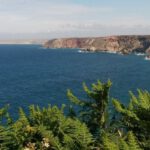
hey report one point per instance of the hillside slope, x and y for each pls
(120, 44)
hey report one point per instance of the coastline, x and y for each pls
(111, 44)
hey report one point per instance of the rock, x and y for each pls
(115, 44)
(148, 50)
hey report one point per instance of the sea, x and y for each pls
(31, 74)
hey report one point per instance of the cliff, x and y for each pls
(120, 44)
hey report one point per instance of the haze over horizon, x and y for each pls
(45, 19)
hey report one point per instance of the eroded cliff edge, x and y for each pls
(119, 44)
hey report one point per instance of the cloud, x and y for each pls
(37, 16)
(62, 18)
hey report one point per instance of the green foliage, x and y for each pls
(117, 143)
(94, 110)
(132, 142)
(91, 128)
(136, 116)
(4, 131)
(47, 128)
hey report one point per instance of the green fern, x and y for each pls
(135, 116)
(94, 109)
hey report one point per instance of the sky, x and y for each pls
(46, 19)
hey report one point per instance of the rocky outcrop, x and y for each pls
(119, 44)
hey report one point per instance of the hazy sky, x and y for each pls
(63, 18)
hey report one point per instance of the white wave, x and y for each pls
(111, 52)
(84, 51)
(140, 54)
(147, 58)
(81, 51)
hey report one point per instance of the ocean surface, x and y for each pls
(30, 74)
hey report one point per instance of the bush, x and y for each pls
(91, 128)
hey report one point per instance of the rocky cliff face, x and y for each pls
(120, 44)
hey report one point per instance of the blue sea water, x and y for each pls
(30, 74)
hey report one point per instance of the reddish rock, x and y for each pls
(121, 44)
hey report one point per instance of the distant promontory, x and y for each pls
(118, 44)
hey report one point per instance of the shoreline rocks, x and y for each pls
(115, 44)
